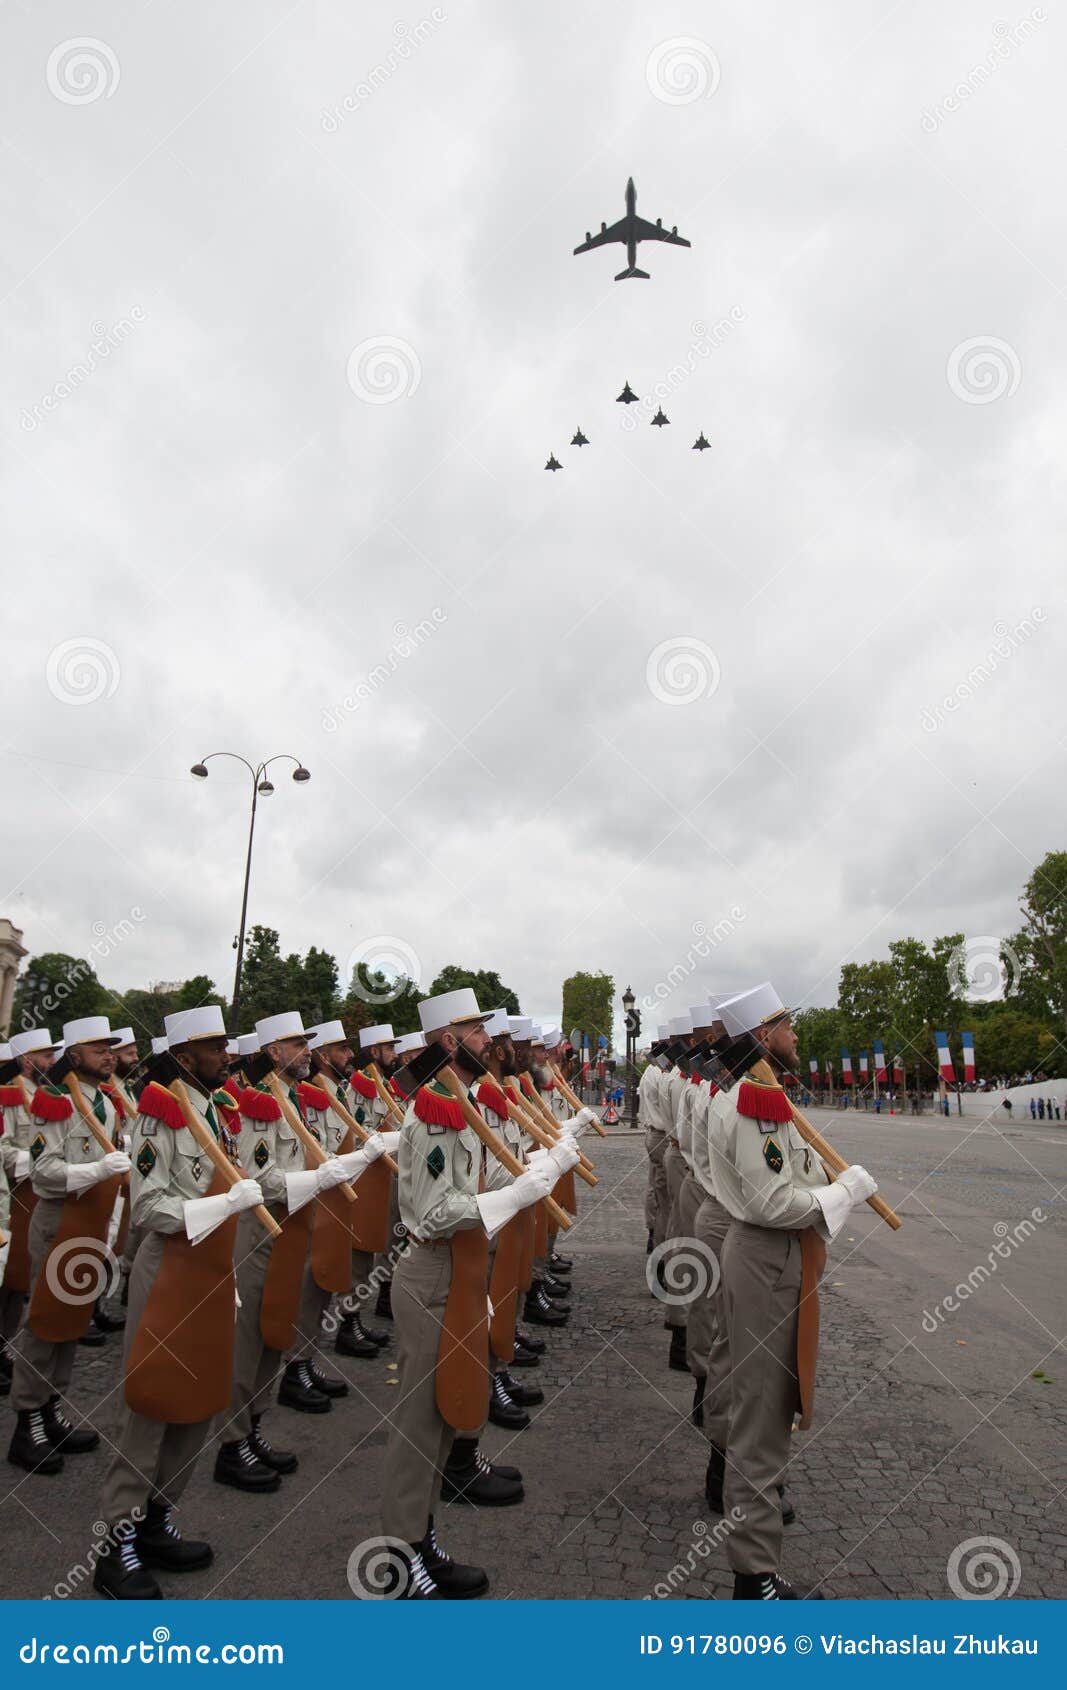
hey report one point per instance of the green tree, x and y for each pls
(820, 1034)
(488, 987)
(589, 1005)
(270, 983)
(865, 1000)
(54, 988)
(1040, 946)
(319, 992)
(373, 998)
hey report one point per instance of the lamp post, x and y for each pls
(633, 1027)
(260, 786)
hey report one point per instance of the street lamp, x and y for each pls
(633, 1027)
(261, 786)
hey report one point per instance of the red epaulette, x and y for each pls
(226, 1100)
(259, 1105)
(713, 1089)
(10, 1097)
(763, 1103)
(359, 1082)
(50, 1104)
(526, 1086)
(230, 1084)
(490, 1096)
(118, 1101)
(162, 1105)
(551, 1086)
(313, 1097)
(695, 1079)
(436, 1108)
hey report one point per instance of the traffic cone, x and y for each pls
(610, 1117)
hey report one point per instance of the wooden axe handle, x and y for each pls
(451, 1081)
(542, 1136)
(360, 1131)
(73, 1085)
(217, 1156)
(371, 1071)
(825, 1151)
(575, 1102)
(312, 1147)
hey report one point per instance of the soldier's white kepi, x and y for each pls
(680, 1026)
(498, 1025)
(451, 1009)
(757, 1007)
(125, 1036)
(327, 1033)
(552, 1036)
(5, 1053)
(188, 1025)
(288, 1025)
(704, 1014)
(521, 1028)
(380, 1035)
(247, 1044)
(407, 1043)
(89, 1030)
(663, 1032)
(537, 1037)
(39, 1038)
(159, 1046)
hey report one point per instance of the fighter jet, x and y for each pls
(627, 396)
(630, 230)
(553, 462)
(659, 419)
(579, 439)
(700, 444)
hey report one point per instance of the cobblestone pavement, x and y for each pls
(931, 1427)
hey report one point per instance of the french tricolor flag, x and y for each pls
(813, 1065)
(863, 1067)
(944, 1059)
(898, 1070)
(968, 1057)
(829, 1076)
(846, 1068)
(879, 1062)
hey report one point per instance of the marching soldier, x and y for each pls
(30, 1056)
(178, 1353)
(377, 1045)
(784, 1211)
(76, 1182)
(657, 1205)
(542, 1306)
(453, 1197)
(674, 1166)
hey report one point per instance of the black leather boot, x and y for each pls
(237, 1464)
(455, 1581)
(529, 1342)
(527, 1396)
(383, 1308)
(678, 1361)
(789, 1513)
(351, 1342)
(323, 1382)
(278, 1460)
(699, 1387)
(770, 1587)
(560, 1264)
(539, 1310)
(105, 1321)
(373, 1334)
(468, 1477)
(31, 1447)
(297, 1391)
(713, 1480)
(504, 1412)
(161, 1544)
(62, 1435)
(119, 1572)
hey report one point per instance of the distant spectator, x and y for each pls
(1007, 1105)
(1033, 1109)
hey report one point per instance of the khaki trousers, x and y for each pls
(708, 1338)
(151, 1461)
(307, 1339)
(675, 1170)
(255, 1367)
(385, 1260)
(761, 1290)
(657, 1202)
(419, 1440)
(682, 1231)
(40, 1370)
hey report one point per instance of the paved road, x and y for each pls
(930, 1429)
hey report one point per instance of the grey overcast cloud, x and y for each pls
(291, 325)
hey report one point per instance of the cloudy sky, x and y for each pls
(291, 324)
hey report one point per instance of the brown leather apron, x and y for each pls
(23, 1203)
(812, 1262)
(540, 1233)
(563, 1192)
(370, 1213)
(332, 1241)
(74, 1272)
(179, 1368)
(285, 1274)
(462, 1380)
(504, 1287)
(526, 1216)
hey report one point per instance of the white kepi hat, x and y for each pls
(90, 1029)
(498, 1025)
(247, 1044)
(521, 1028)
(327, 1033)
(160, 1045)
(552, 1037)
(288, 1025)
(39, 1038)
(187, 1025)
(125, 1036)
(409, 1042)
(680, 1026)
(381, 1035)
(450, 1009)
(748, 1010)
(5, 1053)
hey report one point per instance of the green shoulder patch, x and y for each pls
(435, 1161)
(261, 1155)
(36, 1146)
(772, 1156)
(146, 1160)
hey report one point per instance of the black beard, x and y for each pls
(466, 1061)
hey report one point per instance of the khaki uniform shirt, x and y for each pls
(439, 1170)
(267, 1151)
(169, 1167)
(763, 1172)
(56, 1146)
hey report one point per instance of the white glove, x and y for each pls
(301, 1187)
(82, 1176)
(857, 1182)
(21, 1168)
(204, 1214)
(578, 1124)
(852, 1185)
(373, 1147)
(556, 1159)
(390, 1143)
(329, 1173)
(498, 1207)
(355, 1164)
